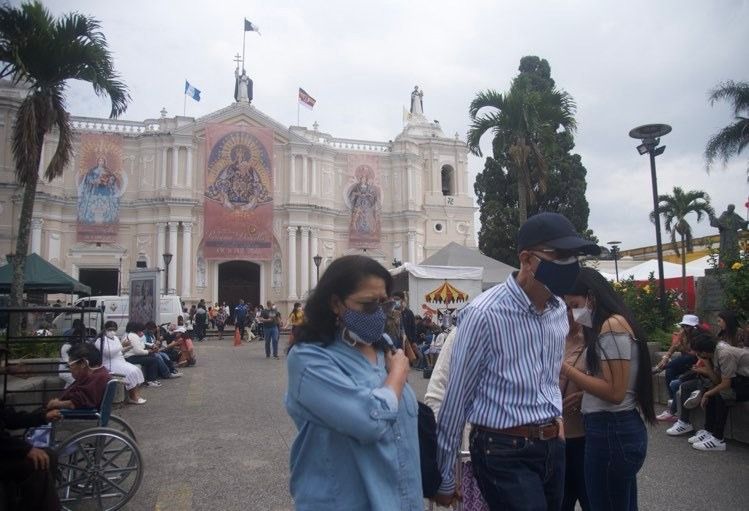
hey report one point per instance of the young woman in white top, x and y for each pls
(113, 359)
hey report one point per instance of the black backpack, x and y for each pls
(430, 473)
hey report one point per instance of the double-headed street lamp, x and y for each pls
(615, 255)
(167, 259)
(650, 135)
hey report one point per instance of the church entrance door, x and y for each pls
(239, 280)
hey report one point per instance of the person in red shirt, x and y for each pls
(90, 380)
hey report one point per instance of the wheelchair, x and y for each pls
(98, 467)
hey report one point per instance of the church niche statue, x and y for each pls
(728, 224)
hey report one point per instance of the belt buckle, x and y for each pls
(543, 437)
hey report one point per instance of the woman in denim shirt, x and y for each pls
(357, 448)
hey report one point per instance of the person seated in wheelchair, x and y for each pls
(27, 472)
(90, 379)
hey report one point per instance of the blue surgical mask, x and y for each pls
(368, 328)
(558, 276)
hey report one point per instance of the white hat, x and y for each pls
(690, 320)
(180, 330)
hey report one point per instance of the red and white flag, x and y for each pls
(305, 99)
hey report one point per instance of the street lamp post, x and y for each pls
(317, 259)
(615, 256)
(650, 135)
(167, 259)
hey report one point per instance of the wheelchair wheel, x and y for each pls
(99, 468)
(121, 425)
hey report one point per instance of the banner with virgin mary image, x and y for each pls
(238, 206)
(100, 181)
(363, 196)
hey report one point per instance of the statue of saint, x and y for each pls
(728, 224)
(242, 87)
(417, 101)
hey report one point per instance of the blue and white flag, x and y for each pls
(250, 27)
(192, 91)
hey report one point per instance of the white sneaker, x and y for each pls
(693, 401)
(667, 416)
(710, 444)
(701, 436)
(176, 375)
(680, 428)
(670, 403)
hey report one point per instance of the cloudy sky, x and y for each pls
(625, 63)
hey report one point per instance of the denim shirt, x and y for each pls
(357, 446)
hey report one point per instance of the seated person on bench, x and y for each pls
(90, 380)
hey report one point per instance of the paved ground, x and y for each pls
(218, 439)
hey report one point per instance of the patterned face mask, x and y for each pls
(368, 327)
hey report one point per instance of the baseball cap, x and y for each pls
(554, 231)
(689, 320)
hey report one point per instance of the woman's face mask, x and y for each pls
(110, 334)
(368, 327)
(583, 315)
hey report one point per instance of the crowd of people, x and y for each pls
(546, 380)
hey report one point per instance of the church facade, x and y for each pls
(136, 190)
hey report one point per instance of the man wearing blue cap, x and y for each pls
(504, 375)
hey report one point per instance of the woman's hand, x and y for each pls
(396, 362)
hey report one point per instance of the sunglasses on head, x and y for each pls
(76, 362)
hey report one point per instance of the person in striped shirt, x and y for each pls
(504, 375)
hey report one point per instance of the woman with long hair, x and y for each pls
(729, 331)
(617, 392)
(357, 445)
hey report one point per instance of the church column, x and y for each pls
(175, 162)
(305, 177)
(304, 257)
(292, 173)
(188, 172)
(36, 235)
(314, 177)
(160, 248)
(173, 250)
(187, 261)
(164, 170)
(292, 262)
(412, 247)
(313, 252)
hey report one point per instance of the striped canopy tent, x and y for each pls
(446, 293)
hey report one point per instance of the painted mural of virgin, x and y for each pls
(364, 198)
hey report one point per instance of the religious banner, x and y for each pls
(238, 216)
(363, 197)
(100, 181)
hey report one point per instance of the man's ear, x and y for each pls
(525, 257)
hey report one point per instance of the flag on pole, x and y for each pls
(305, 99)
(192, 91)
(250, 27)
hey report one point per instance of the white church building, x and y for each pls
(424, 196)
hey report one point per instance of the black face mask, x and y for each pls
(556, 276)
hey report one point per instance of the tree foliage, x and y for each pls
(534, 120)
(43, 53)
(732, 139)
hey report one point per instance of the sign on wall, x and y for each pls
(238, 217)
(100, 182)
(363, 197)
(144, 297)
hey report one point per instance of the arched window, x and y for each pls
(448, 180)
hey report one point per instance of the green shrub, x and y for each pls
(642, 300)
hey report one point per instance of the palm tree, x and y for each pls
(675, 209)
(43, 53)
(732, 139)
(523, 121)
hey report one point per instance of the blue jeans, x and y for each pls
(516, 473)
(164, 364)
(616, 444)
(271, 337)
(675, 368)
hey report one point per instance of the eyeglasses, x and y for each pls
(557, 256)
(75, 362)
(372, 306)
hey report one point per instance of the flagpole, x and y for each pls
(297, 112)
(184, 106)
(244, 38)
